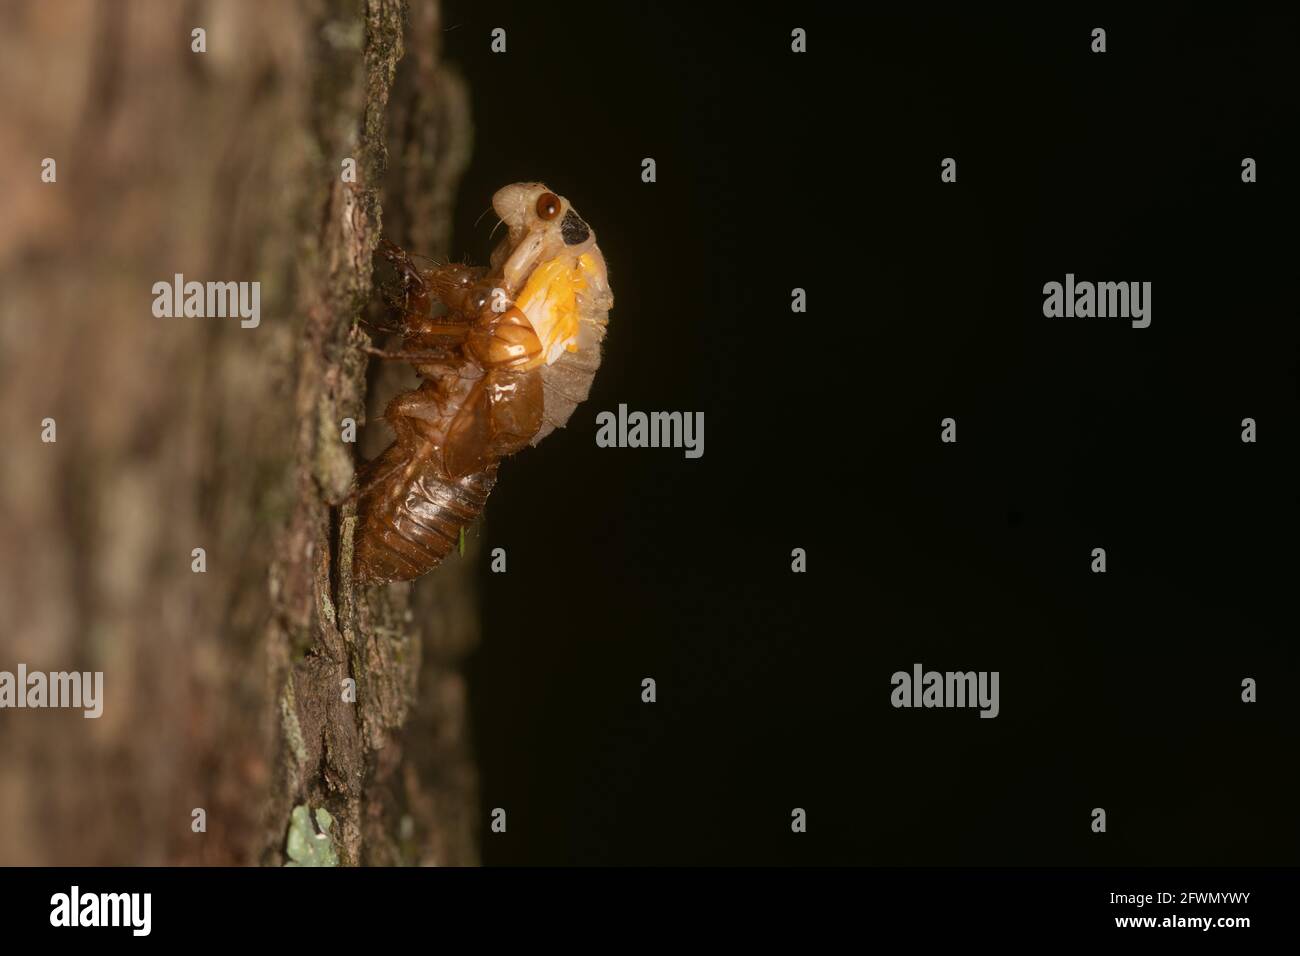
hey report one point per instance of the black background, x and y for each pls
(821, 171)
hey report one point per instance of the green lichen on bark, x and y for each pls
(307, 846)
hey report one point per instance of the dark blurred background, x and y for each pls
(821, 171)
(774, 171)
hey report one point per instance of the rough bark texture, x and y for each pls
(221, 693)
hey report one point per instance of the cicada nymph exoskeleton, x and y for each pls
(505, 354)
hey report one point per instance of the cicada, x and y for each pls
(505, 353)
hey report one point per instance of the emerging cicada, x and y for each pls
(508, 362)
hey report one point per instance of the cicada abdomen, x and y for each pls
(411, 521)
(509, 361)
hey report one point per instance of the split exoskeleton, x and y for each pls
(506, 363)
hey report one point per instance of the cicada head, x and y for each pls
(552, 269)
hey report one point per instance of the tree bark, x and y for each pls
(342, 754)
(222, 691)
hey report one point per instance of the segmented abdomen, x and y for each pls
(408, 522)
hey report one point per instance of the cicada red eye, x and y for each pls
(548, 206)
